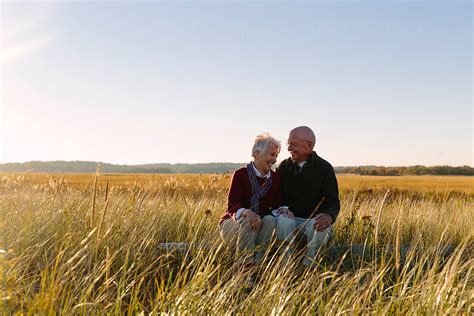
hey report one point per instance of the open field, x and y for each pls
(437, 184)
(83, 244)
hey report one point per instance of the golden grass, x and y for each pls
(413, 183)
(70, 249)
(428, 183)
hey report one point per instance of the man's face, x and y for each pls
(299, 148)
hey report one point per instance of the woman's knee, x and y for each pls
(228, 230)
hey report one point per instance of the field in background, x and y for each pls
(438, 184)
(79, 243)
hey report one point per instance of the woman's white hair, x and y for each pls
(263, 143)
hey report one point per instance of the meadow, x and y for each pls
(93, 244)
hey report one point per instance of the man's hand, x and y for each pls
(323, 221)
(286, 212)
(253, 218)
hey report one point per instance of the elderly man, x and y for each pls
(310, 193)
(255, 192)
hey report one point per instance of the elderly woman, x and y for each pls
(254, 193)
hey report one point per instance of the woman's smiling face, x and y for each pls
(266, 159)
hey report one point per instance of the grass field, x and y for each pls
(87, 244)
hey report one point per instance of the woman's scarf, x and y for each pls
(257, 191)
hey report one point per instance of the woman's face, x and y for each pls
(265, 160)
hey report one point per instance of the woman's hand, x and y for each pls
(254, 219)
(286, 212)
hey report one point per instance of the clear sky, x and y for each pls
(380, 82)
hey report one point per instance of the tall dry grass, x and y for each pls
(72, 249)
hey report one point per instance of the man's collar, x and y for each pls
(310, 161)
(259, 174)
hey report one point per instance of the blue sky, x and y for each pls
(385, 83)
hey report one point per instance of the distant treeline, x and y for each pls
(91, 167)
(216, 167)
(407, 171)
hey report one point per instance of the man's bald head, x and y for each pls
(301, 143)
(305, 134)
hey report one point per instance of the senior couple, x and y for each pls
(301, 197)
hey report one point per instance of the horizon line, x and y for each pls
(220, 162)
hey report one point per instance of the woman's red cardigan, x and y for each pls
(240, 194)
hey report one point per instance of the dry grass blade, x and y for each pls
(397, 244)
(379, 221)
(94, 195)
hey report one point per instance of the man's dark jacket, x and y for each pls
(303, 188)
